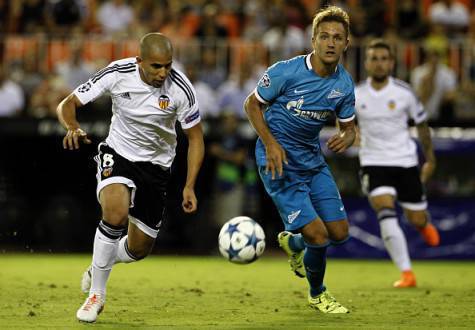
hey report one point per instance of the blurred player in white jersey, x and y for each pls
(388, 156)
(133, 163)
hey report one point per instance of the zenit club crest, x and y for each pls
(391, 105)
(163, 101)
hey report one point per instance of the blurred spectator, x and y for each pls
(451, 14)
(206, 96)
(357, 18)
(437, 41)
(210, 71)
(254, 21)
(144, 11)
(12, 98)
(29, 16)
(375, 12)
(283, 40)
(180, 24)
(75, 70)
(235, 90)
(435, 84)
(408, 19)
(27, 74)
(295, 14)
(115, 16)
(5, 16)
(64, 15)
(230, 153)
(209, 27)
(46, 97)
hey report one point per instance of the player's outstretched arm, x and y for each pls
(344, 138)
(196, 151)
(275, 154)
(66, 111)
(428, 168)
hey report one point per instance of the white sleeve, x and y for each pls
(188, 109)
(188, 113)
(189, 116)
(416, 109)
(98, 84)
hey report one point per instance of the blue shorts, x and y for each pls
(301, 197)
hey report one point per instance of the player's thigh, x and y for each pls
(115, 200)
(139, 243)
(411, 194)
(150, 199)
(115, 188)
(291, 196)
(378, 183)
(325, 196)
(315, 232)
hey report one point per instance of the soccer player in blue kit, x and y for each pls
(290, 105)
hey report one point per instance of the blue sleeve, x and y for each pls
(346, 110)
(272, 84)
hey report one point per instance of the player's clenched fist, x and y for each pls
(74, 137)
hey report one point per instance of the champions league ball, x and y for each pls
(241, 240)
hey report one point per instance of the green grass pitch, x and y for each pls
(163, 292)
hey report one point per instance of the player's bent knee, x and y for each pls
(338, 231)
(315, 237)
(382, 202)
(140, 253)
(115, 218)
(339, 240)
(417, 218)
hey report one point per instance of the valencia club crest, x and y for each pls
(392, 105)
(163, 101)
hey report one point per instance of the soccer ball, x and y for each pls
(241, 240)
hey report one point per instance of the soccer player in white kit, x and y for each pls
(148, 97)
(388, 156)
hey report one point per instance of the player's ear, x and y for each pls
(138, 59)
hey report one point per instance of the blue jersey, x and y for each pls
(299, 104)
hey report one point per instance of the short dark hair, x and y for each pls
(331, 14)
(380, 43)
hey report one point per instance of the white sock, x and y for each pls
(123, 253)
(106, 241)
(395, 243)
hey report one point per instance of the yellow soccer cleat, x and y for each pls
(326, 303)
(295, 258)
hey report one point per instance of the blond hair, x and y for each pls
(331, 14)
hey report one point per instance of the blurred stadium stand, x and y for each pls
(47, 199)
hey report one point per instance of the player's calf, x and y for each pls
(421, 221)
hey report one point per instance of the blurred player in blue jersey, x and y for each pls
(292, 102)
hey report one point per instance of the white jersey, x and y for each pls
(383, 121)
(143, 117)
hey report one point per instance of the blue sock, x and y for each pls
(315, 262)
(296, 243)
